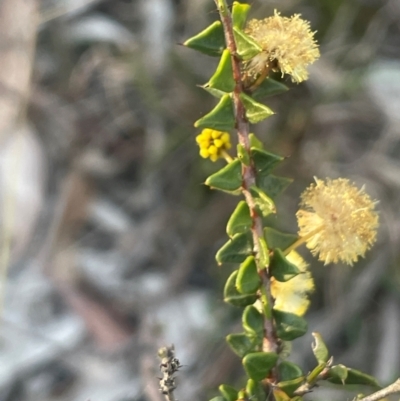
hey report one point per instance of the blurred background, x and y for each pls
(107, 233)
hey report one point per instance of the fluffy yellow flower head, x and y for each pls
(292, 296)
(337, 220)
(288, 46)
(213, 144)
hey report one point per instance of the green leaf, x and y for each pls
(265, 205)
(357, 377)
(269, 87)
(263, 252)
(281, 268)
(280, 395)
(265, 162)
(240, 220)
(218, 398)
(220, 118)
(277, 239)
(339, 372)
(255, 391)
(255, 142)
(236, 250)
(233, 296)
(212, 91)
(228, 179)
(272, 185)
(210, 41)
(288, 325)
(258, 364)
(223, 76)
(240, 343)
(247, 48)
(228, 392)
(253, 322)
(255, 111)
(248, 281)
(353, 377)
(289, 371)
(319, 349)
(243, 155)
(290, 386)
(239, 14)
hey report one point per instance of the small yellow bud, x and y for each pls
(207, 134)
(213, 150)
(225, 138)
(216, 134)
(204, 153)
(218, 143)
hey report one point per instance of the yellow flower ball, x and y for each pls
(288, 46)
(337, 220)
(292, 296)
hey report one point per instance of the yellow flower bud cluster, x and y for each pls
(213, 144)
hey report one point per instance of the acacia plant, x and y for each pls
(337, 221)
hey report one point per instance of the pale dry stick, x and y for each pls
(18, 23)
(8, 218)
(379, 395)
(18, 27)
(54, 12)
(248, 172)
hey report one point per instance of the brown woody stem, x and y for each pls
(248, 172)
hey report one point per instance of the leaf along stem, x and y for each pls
(248, 172)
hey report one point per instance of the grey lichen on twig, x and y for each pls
(169, 366)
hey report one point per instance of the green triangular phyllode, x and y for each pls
(210, 41)
(221, 117)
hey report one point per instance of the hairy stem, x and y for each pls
(248, 172)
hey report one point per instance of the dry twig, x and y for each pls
(379, 395)
(169, 366)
